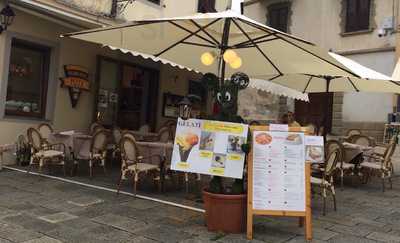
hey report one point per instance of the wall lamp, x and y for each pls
(6, 18)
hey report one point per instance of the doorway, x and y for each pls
(318, 111)
(127, 94)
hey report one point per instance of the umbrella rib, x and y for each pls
(308, 83)
(354, 86)
(206, 32)
(256, 46)
(197, 44)
(189, 31)
(256, 42)
(187, 37)
(255, 39)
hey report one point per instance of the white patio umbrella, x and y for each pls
(368, 80)
(196, 40)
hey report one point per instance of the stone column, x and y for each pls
(337, 114)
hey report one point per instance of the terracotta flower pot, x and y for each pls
(226, 213)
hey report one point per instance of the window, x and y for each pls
(278, 15)
(158, 2)
(357, 15)
(206, 6)
(27, 79)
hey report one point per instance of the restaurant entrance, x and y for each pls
(318, 111)
(127, 94)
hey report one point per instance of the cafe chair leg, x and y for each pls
(341, 180)
(333, 197)
(383, 181)
(135, 181)
(119, 183)
(324, 199)
(90, 169)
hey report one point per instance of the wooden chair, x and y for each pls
(164, 135)
(116, 137)
(326, 182)
(144, 128)
(133, 165)
(45, 131)
(44, 153)
(382, 166)
(343, 166)
(22, 150)
(95, 127)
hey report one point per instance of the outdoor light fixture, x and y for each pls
(230, 56)
(237, 63)
(207, 58)
(6, 18)
(185, 108)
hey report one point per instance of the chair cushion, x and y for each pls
(315, 180)
(143, 167)
(346, 166)
(371, 165)
(49, 154)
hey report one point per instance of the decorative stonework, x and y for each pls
(343, 14)
(337, 114)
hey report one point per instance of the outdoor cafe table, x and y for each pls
(353, 153)
(76, 143)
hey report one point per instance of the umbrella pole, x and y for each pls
(224, 46)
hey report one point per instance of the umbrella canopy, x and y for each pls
(183, 40)
(368, 80)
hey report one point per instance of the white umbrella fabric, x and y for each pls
(368, 80)
(262, 49)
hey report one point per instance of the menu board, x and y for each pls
(278, 171)
(209, 147)
(315, 149)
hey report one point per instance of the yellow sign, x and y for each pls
(217, 171)
(211, 126)
(183, 165)
(206, 154)
(74, 82)
(235, 157)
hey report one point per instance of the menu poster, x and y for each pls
(278, 171)
(315, 149)
(209, 147)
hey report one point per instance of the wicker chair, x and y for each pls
(326, 182)
(95, 127)
(45, 131)
(114, 146)
(352, 132)
(382, 166)
(132, 163)
(44, 153)
(164, 135)
(344, 168)
(97, 153)
(361, 140)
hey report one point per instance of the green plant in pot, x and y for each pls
(226, 204)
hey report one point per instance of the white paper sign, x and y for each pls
(209, 147)
(278, 171)
(279, 127)
(315, 149)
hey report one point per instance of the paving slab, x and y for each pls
(85, 201)
(58, 217)
(121, 222)
(43, 239)
(164, 234)
(384, 237)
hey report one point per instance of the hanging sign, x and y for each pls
(76, 79)
(315, 149)
(209, 147)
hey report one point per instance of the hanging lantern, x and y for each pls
(185, 108)
(230, 56)
(237, 63)
(6, 18)
(207, 58)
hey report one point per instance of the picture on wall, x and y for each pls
(170, 105)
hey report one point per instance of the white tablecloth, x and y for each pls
(77, 144)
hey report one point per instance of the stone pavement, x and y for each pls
(38, 210)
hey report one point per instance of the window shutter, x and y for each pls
(206, 6)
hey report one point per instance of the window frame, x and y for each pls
(46, 52)
(279, 6)
(212, 10)
(52, 84)
(357, 26)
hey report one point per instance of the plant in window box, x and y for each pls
(220, 198)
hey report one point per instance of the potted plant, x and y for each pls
(226, 205)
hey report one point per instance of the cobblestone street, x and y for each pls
(35, 209)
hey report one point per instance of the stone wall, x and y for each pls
(372, 129)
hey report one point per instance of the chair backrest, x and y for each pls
(387, 156)
(331, 162)
(144, 128)
(331, 145)
(312, 129)
(129, 135)
(129, 150)
(352, 132)
(45, 130)
(321, 131)
(361, 140)
(164, 135)
(117, 135)
(35, 139)
(99, 141)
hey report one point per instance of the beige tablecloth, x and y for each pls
(351, 151)
(77, 144)
(148, 149)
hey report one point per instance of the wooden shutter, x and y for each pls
(206, 6)
(278, 15)
(357, 15)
